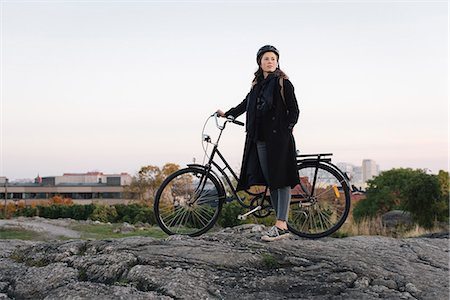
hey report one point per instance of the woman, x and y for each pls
(269, 153)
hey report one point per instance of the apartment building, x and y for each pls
(359, 175)
(82, 188)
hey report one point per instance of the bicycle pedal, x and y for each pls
(242, 217)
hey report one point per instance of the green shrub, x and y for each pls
(81, 212)
(145, 215)
(50, 212)
(27, 212)
(229, 214)
(104, 213)
(127, 213)
(268, 221)
(270, 261)
(424, 200)
(424, 195)
(126, 219)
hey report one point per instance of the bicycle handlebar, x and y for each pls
(229, 119)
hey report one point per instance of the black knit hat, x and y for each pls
(264, 49)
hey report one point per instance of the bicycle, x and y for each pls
(189, 201)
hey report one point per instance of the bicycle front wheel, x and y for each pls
(320, 203)
(188, 202)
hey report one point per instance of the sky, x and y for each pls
(112, 86)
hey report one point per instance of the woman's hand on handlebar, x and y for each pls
(230, 118)
(220, 113)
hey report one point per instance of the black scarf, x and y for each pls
(260, 101)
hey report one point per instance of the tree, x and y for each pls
(444, 181)
(424, 195)
(423, 198)
(143, 184)
(147, 181)
(168, 169)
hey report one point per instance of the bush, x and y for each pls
(145, 215)
(424, 195)
(27, 212)
(132, 213)
(10, 210)
(268, 221)
(60, 200)
(423, 200)
(229, 214)
(50, 212)
(104, 213)
(82, 212)
(127, 213)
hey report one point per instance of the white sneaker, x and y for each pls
(275, 234)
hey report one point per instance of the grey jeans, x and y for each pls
(280, 197)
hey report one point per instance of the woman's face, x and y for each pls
(269, 62)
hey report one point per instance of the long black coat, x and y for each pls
(277, 130)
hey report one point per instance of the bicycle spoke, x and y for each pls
(188, 202)
(181, 223)
(327, 190)
(320, 221)
(205, 200)
(175, 216)
(201, 217)
(325, 218)
(325, 211)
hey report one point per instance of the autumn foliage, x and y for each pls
(58, 200)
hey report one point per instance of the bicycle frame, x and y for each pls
(321, 158)
(211, 163)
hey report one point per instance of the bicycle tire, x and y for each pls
(188, 202)
(318, 211)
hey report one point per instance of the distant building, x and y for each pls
(359, 175)
(346, 168)
(83, 188)
(369, 169)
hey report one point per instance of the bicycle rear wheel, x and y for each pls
(188, 202)
(321, 203)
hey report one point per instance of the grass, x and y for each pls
(374, 226)
(269, 261)
(87, 231)
(21, 234)
(105, 231)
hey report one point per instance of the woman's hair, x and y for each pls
(259, 76)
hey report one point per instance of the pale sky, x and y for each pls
(116, 85)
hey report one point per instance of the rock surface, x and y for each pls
(230, 264)
(396, 218)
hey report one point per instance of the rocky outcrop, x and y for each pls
(396, 218)
(229, 264)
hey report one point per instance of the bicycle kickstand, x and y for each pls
(244, 216)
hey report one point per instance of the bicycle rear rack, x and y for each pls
(317, 157)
